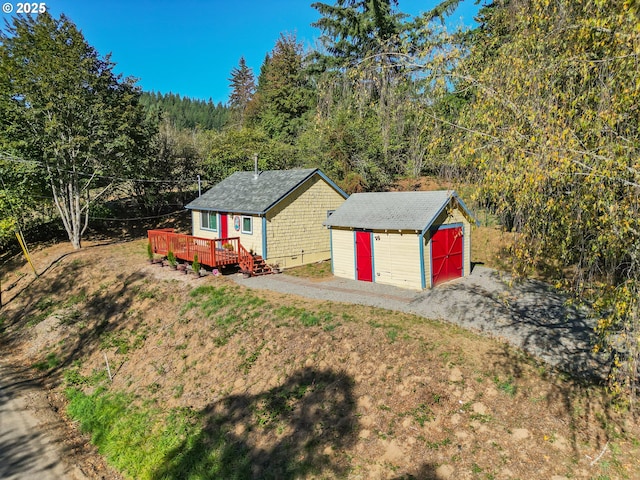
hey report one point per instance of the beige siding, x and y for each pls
(343, 260)
(397, 259)
(397, 254)
(295, 234)
(251, 241)
(197, 230)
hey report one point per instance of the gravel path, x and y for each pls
(529, 315)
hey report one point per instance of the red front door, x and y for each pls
(364, 263)
(224, 226)
(446, 254)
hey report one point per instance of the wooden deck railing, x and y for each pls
(211, 252)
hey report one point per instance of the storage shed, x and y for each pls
(277, 214)
(407, 239)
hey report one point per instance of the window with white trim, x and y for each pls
(209, 221)
(247, 225)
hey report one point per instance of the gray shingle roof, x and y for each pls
(242, 192)
(392, 210)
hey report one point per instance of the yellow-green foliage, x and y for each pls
(552, 131)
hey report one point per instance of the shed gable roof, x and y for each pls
(243, 192)
(393, 210)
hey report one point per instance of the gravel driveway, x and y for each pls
(530, 314)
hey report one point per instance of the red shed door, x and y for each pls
(446, 254)
(224, 226)
(364, 263)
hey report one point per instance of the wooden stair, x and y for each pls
(260, 267)
(215, 253)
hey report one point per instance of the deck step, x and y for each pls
(260, 267)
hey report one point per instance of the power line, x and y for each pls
(11, 158)
(139, 218)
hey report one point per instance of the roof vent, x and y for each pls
(255, 166)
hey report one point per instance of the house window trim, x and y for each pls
(210, 215)
(242, 229)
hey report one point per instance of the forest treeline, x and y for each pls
(184, 112)
(537, 106)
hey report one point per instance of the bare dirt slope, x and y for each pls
(358, 392)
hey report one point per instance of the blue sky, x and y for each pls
(190, 46)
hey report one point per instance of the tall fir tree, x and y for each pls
(243, 87)
(284, 94)
(354, 29)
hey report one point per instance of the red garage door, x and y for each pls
(446, 254)
(364, 261)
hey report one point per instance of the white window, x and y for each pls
(209, 221)
(247, 225)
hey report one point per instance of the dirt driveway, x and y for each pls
(30, 435)
(530, 314)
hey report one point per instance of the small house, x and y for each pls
(407, 239)
(277, 214)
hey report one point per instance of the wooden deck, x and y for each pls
(211, 252)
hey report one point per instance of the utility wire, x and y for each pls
(139, 218)
(11, 158)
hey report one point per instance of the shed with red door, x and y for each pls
(408, 239)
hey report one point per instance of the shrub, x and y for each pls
(171, 258)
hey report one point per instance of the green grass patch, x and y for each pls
(76, 298)
(392, 334)
(122, 341)
(269, 411)
(231, 309)
(421, 414)
(211, 299)
(313, 270)
(51, 361)
(305, 317)
(250, 360)
(44, 307)
(144, 443)
(437, 445)
(506, 386)
(73, 377)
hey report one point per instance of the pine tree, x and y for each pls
(284, 93)
(353, 29)
(243, 87)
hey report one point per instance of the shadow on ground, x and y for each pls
(17, 455)
(304, 425)
(23, 451)
(97, 313)
(528, 314)
(304, 421)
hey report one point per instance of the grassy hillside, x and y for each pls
(210, 380)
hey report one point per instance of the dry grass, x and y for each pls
(296, 388)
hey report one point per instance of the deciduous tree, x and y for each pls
(63, 106)
(554, 133)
